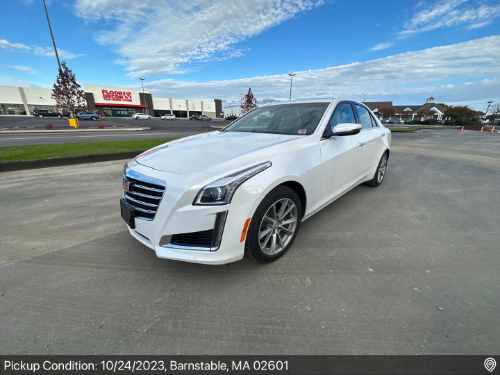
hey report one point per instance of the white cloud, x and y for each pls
(6, 44)
(9, 81)
(24, 69)
(39, 51)
(160, 36)
(381, 46)
(448, 13)
(479, 25)
(49, 52)
(412, 75)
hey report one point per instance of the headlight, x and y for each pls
(221, 191)
(127, 166)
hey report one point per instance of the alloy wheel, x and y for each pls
(278, 226)
(381, 169)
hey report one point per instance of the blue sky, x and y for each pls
(404, 51)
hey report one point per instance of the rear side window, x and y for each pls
(343, 115)
(363, 117)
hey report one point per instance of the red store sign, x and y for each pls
(117, 96)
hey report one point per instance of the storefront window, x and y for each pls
(180, 114)
(49, 107)
(119, 111)
(12, 109)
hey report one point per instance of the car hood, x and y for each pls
(201, 152)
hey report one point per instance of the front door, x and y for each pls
(341, 156)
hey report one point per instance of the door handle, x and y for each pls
(360, 144)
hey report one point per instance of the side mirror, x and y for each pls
(346, 129)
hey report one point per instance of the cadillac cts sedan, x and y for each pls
(214, 197)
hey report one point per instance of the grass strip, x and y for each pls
(24, 153)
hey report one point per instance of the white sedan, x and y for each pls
(141, 116)
(168, 117)
(214, 197)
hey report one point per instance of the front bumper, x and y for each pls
(176, 215)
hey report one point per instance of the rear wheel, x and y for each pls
(41, 116)
(59, 116)
(94, 118)
(274, 225)
(380, 173)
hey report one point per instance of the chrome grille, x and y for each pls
(144, 196)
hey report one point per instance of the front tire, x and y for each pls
(274, 225)
(380, 173)
(40, 116)
(59, 116)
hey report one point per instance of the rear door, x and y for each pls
(342, 157)
(371, 139)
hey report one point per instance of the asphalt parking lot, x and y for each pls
(159, 130)
(410, 267)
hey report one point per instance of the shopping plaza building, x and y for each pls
(109, 101)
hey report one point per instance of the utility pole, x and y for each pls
(291, 78)
(364, 96)
(52, 35)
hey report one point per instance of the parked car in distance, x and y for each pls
(212, 198)
(204, 118)
(88, 115)
(384, 121)
(41, 113)
(194, 117)
(141, 116)
(168, 117)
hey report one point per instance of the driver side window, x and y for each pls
(343, 114)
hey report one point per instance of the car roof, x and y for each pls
(322, 100)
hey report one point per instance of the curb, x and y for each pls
(69, 131)
(60, 162)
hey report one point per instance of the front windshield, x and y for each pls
(296, 119)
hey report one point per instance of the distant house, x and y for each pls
(409, 112)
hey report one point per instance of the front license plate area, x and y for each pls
(128, 213)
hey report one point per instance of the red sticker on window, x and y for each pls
(302, 131)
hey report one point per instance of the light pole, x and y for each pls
(142, 82)
(291, 78)
(364, 96)
(489, 103)
(52, 35)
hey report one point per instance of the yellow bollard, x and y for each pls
(74, 123)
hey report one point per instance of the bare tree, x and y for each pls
(248, 102)
(495, 111)
(67, 92)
